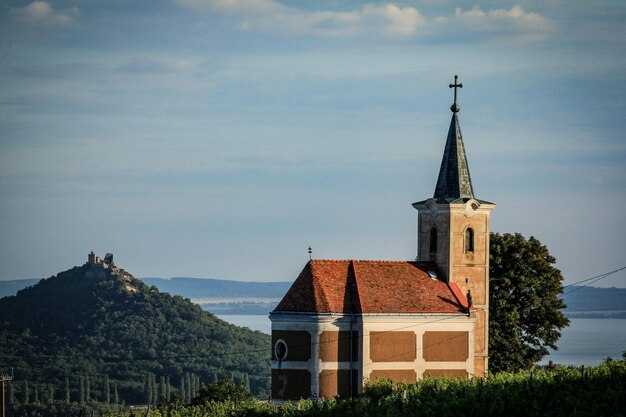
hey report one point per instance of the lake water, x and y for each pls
(583, 342)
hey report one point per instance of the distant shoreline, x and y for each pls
(227, 297)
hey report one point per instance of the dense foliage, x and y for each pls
(524, 307)
(87, 332)
(564, 391)
(225, 390)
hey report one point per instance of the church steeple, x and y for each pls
(454, 180)
(453, 233)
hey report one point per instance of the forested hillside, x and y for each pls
(94, 328)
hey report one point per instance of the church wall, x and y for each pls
(400, 347)
(335, 346)
(298, 343)
(427, 220)
(441, 346)
(291, 384)
(329, 363)
(473, 278)
(480, 331)
(409, 366)
(480, 364)
(336, 382)
(400, 375)
(394, 346)
(448, 373)
(471, 272)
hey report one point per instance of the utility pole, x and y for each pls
(5, 377)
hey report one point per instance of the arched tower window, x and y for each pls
(433, 240)
(469, 240)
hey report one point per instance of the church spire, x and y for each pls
(454, 180)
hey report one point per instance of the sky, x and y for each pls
(222, 138)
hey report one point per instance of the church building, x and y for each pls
(346, 322)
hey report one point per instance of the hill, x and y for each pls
(97, 321)
(8, 288)
(186, 287)
(219, 288)
(595, 302)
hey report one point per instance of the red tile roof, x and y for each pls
(386, 287)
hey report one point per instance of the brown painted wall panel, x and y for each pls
(337, 383)
(335, 346)
(298, 344)
(392, 346)
(445, 346)
(448, 373)
(399, 375)
(290, 384)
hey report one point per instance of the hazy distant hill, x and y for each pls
(186, 287)
(12, 287)
(595, 302)
(207, 287)
(101, 322)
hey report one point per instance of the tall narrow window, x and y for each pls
(469, 240)
(433, 240)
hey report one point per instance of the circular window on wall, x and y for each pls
(280, 349)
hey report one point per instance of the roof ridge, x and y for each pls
(368, 260)
(316, 260)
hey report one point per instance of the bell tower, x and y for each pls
(453, 232)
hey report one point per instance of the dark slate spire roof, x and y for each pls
(454, 180)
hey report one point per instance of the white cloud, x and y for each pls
(388, 20)
(42, 13)
(273, 16)
(515, 21)
(396, 20)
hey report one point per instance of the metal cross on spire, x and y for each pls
(455, 108)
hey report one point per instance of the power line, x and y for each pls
(601, 276)
(591, 280)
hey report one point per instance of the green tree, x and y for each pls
(26, 393)
(189, 388)
(162, 388)
(67, 390)
(183, 392)
(148, 389)
(11, 394)
(82, 389)
(524, 308)
(196, 384)
(107, 390)
(222, 391)
(245, 381)
(155, 389)
(87, 389)
(116, 398)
